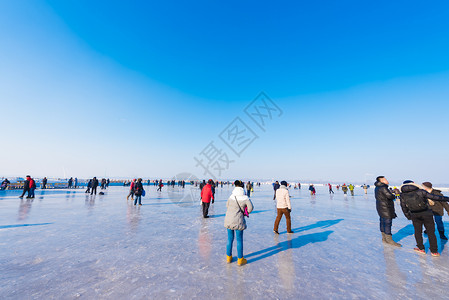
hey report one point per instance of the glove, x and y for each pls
(289, 209)
(213, 201)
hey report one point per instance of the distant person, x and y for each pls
(351, 189)
(338, 187)
(108, 182)
(76, 182)
(437, 208)
(385, 209)
(32, 188)
(344, 188)
(235, 222)
(131, 189)
(206, 197)
(94, 186)
(202, 184)
(44, 183)
(312, 190)
(5, 184)
(161, 184)
(138, 190)
(69, 185)
(249, 186)
(284, 207)
(89, 186)
(415, 206)
(365, 189)
(299, 185)
(276, 186)
(26, 186)
(330, 189)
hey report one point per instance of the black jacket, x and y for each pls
(138, 187)
(94, 183)
(26, 185)
(409, 191)
(384, 201)
(276, 186)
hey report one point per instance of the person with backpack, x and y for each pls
(284, 207)
(437, 209)
(138, 191)
(131, 190)
(385, 209)
(344, 188)
(26, 186)
(237, 207)
(415, 206)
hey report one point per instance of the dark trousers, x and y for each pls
(25, 191)
(31, 193)
(425, 219)
(331, 191)
(248, 193)
(94, 190)
(205, 209)
(283, 211)
(385, 225)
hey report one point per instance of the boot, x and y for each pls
(389, 240)
(442, 236)
(241, 261)
(228, 259)
(384, 240)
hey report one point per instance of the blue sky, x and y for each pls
(139, 88)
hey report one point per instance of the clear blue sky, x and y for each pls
(138, 88)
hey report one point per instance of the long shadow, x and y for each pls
(23, 225)
(404, 232)
(296, 243)
(319, 224)
(217, 216)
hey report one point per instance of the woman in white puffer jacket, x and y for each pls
(235, 220)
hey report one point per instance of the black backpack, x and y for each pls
(415, 203)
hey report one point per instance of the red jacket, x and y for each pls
(206, 193)
(32, 184)
(132, 185)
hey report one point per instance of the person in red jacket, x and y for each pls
(206, 197)
(32, 188)
(131, 190)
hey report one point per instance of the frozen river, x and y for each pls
(66, 245)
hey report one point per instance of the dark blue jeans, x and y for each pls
(385, 225)
(138, 198)
(439, 222)
(31, 193)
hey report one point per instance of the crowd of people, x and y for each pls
(421, 204)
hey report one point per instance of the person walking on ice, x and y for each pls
(284, 207)
(437, 209)
(415, 206)
(351, 189)
(237, 207)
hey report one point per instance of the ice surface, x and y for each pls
(66, 245)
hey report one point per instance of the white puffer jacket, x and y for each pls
(234, 219)
(283, 198)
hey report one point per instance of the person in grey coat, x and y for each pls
(235, 220)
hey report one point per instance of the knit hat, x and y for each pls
(427, 184)
(407, 181)
(284, 183)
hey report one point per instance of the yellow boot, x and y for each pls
(241, 261)
(229, 259)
